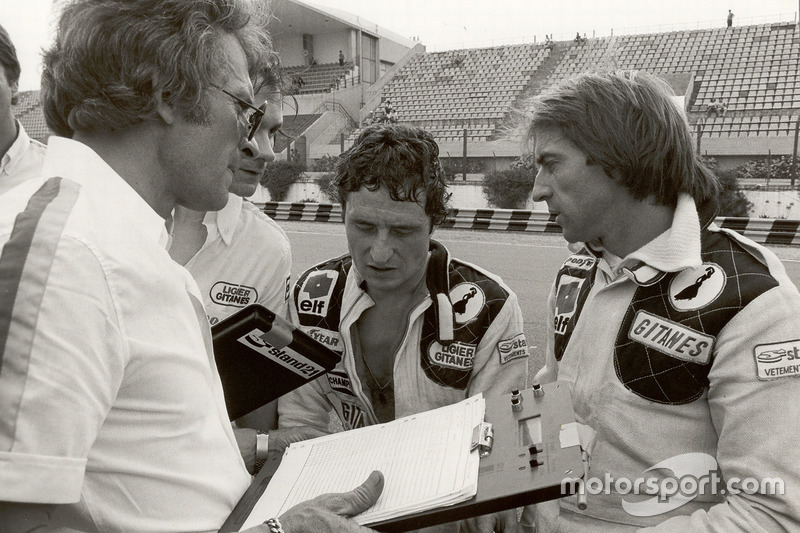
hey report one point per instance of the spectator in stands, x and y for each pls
(341, 58)
(548, 42)
(730, 18)
(240, 246)
(112, 416)
(722, 108)
(397, 299)
(578, 38)
(713, 108)
(672, 333)
(22, 156)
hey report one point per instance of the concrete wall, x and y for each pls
(469, 195)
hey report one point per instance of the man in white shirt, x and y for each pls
(22, 156)
(240, 256)
(112, 416)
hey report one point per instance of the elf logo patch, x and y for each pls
(513, 348)
(315, 294)
(467, 300)
(695, 288)
(457, 355)
(777, 360)
(232, 295)
(569, 287)
(671, 338)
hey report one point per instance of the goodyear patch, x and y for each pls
(569, 288)
(331, 339)
(315, 294)
(457, 355)
(581, 262)
(671, 338)
(232, 294)
(286, 357)
(777, 360)
(513, 348)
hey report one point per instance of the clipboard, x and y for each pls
(261, 356)
(530, 453)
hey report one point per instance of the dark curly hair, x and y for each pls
(9, 61)
(404, 159)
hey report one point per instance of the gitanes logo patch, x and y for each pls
(315, 294)
(232, 295)
(671, 338)
(457, 355)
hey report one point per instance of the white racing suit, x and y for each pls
(487, 353)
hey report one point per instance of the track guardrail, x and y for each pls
(761, 230)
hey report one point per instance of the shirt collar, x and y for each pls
(16, 151)
(225, 220)
(677, 248)
(77, 162)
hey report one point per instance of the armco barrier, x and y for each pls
(767, 231)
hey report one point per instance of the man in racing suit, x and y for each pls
(680, 339)
(416, 329)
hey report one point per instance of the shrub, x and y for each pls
(454, 166)
(279, 176)
(323, 181)
(508, 189)
(732, 201)
(778, 168)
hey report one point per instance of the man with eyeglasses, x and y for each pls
(112, 416)
(241, 248)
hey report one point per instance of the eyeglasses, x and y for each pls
(254, 120)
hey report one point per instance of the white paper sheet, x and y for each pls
(425, 459)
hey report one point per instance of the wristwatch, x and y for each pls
(262, 445)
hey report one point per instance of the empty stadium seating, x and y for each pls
(753, 69)
(318, 78)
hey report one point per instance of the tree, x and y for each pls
(279, 176)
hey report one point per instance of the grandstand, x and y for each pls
(466, 97)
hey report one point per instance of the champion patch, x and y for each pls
(777, 360)
(671, 338)
(286, 357)
(513, 348)
(457, 355)
(340, 382)
(696, 288)
(467, 300)
(315, 294)
(331, 339)
(233, 295)
(569, 287)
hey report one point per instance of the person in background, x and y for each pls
(678, 338)
(729, 19)
(240, 256)
(112, 416)
(417, 328)
(22, 156)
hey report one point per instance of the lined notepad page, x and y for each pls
(425, 459)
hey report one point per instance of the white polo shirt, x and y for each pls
(23, 161)
(110, 401)
(246, 259)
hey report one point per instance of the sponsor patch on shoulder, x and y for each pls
(232, 294)
(671, 338)
(315, 294)
(581, 262)
(331, 339)
(457, 355)
(697, 287)
(468, 300)
(777, 360)
(512, 348)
